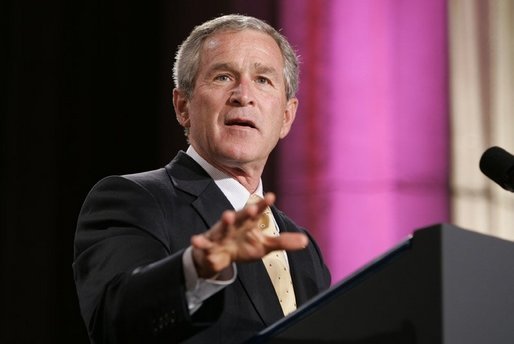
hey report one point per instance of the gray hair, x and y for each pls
(187, 59)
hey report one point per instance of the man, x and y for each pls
(178, 254)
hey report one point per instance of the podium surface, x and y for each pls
(442, 285)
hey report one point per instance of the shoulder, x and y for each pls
(157, 182)
(145, 184)
(154, 181)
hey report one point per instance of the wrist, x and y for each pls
(201, 266)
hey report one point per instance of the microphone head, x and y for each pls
(498, 164)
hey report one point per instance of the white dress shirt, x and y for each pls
(199, 289)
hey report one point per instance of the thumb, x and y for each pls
(288, 242)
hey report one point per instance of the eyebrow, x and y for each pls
(220, 67)
(264, 69)
(258, 67)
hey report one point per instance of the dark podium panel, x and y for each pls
(442, 285)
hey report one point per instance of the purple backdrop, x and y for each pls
(367, 160)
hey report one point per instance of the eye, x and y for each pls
(263, 80)
(222, 77)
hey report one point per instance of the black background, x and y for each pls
(87, 88)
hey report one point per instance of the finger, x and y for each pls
(267, 201)
(220, 229)
(217, 232)
(254, 211)
(206, 263)
(228, 217)
(287, 241)
(250, 213)
(201, 241)
(269, 198)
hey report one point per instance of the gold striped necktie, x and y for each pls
(276, 264)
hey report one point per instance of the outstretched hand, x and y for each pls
(237, 238)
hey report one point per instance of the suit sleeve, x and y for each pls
(129, 282)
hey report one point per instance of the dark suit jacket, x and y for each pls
(131, 234)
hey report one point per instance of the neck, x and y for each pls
(246, 175)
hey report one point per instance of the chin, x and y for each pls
(239, 153)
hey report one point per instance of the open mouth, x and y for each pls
(241, 123)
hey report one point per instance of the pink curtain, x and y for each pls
(367, 160)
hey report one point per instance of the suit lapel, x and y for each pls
(209, 202)
(256, 283)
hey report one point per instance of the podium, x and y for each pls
(441, 285)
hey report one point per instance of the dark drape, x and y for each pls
(88, 93)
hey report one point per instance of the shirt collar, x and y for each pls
(231, 188)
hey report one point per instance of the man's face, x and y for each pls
(238, 109)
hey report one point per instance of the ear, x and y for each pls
(289, 116)
(181, 106)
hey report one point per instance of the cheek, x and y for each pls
(207, 107)
(201, 114)
(275, 130)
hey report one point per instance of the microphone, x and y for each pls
(498, 164)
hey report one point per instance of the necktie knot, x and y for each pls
(253, 199)
(265, 220)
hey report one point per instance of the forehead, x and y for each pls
(246, 46)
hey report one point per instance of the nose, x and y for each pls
(242, 94)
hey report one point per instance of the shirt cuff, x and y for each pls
(199, 289)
